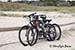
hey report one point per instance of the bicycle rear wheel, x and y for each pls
(51, 32)
(58, 31)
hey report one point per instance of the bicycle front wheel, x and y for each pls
(32, 36)
(22, 36)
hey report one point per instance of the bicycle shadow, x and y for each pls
(1, 45)
(39, 40)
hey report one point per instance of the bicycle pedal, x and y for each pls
(32, 34)
(40, 38)
(40, 31)
(26, 35)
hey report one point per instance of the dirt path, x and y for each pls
(9, 40)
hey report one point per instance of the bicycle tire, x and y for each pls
(56, 25)
(34, 39)
(19, 36)
(49, 33)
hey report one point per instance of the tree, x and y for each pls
(49, 0)
(9, 0)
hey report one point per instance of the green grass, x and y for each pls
(27, 7)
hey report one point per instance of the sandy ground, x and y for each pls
(9, 40)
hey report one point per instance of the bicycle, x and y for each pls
(23, 32)
(57, 27)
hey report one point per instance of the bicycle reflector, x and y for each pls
(36, 23)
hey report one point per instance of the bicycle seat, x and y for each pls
(43, 16)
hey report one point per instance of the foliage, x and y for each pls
(49, 0)
(27, 7)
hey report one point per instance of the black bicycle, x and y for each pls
(23, 31)
(57, 27)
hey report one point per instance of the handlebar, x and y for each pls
(30, 15)
(48, 20)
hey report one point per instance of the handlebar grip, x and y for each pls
(31, 14)
(24, 16)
